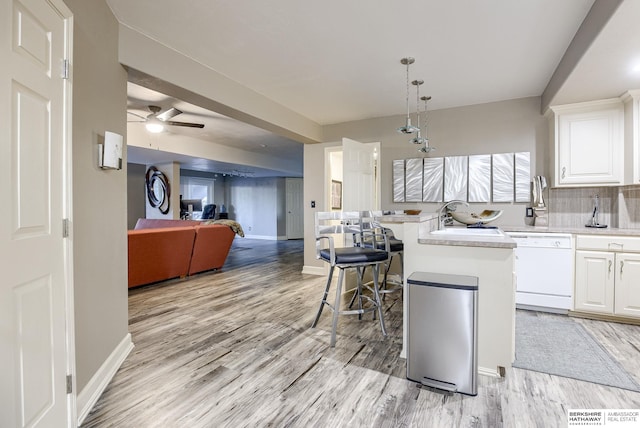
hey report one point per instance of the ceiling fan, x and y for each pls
(155, 121)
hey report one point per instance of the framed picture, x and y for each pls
(336, 195)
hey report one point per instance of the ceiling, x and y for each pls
(337, 61)
(218, 129)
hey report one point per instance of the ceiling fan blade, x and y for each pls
(166, 115)
(187, 124)
(136, 115)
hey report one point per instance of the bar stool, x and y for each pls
(394, 282)
(353, 255)
(391, 282)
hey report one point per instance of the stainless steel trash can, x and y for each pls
(442, 331)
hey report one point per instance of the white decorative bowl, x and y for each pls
(485, 216)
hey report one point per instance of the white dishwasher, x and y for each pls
(544, 271)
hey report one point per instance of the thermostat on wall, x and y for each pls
(110, 153)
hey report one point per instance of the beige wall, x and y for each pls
(136, 193)
(99, 196)
(500, 127)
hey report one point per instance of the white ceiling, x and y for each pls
(217, 129)
(336, 61)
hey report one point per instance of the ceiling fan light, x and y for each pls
(154, 128)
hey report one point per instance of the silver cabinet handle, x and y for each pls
(564, 170)
(615, 246)
(621, 267)
(610, 263)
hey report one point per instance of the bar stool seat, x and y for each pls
(350, 255)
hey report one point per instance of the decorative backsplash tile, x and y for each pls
(573, 207)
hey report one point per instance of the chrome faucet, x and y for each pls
(443, 211)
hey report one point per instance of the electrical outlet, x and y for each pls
(313, 204)
(529, 212)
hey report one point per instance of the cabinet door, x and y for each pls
(627, 298)
(595, 278)
(590, 147)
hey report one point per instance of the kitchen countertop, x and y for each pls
(467, 241)
(406, 218)
(614, 231)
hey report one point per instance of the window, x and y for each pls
(197, 188)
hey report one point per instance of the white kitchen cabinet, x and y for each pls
(627, 287)
(608, 275)
(632, 136)
(594, 281)
(588, 143)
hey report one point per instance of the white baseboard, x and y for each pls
(265, 237)
(483, 371)
(90, 394)
(314, 270)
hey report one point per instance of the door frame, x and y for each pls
(67, 206)
(326, 201)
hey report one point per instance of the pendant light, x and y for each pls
(425, 141)
(407, 128)
(418, 138)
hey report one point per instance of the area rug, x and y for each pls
(560, 346)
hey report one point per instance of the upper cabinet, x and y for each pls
(632, 136)
(588, 143)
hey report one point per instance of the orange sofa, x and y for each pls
(165, 249)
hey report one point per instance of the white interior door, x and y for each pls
(361, 184)
(294, 206)
(33, 292)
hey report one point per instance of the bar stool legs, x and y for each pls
(375, 301)
(397, 285)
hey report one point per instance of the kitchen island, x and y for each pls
(490, 258)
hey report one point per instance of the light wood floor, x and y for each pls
(234, 349)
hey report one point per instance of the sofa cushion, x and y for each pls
(159, 254)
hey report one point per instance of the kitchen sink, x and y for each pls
(463, 231)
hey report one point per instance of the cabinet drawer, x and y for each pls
(608, 243)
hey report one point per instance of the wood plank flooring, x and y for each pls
(234, 348)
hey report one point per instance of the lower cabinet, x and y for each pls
(595, 282)
(627, 287)
(607, 282)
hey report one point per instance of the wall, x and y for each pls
(136, 193)
(99, 196)
(259, 205)
(500, 127)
